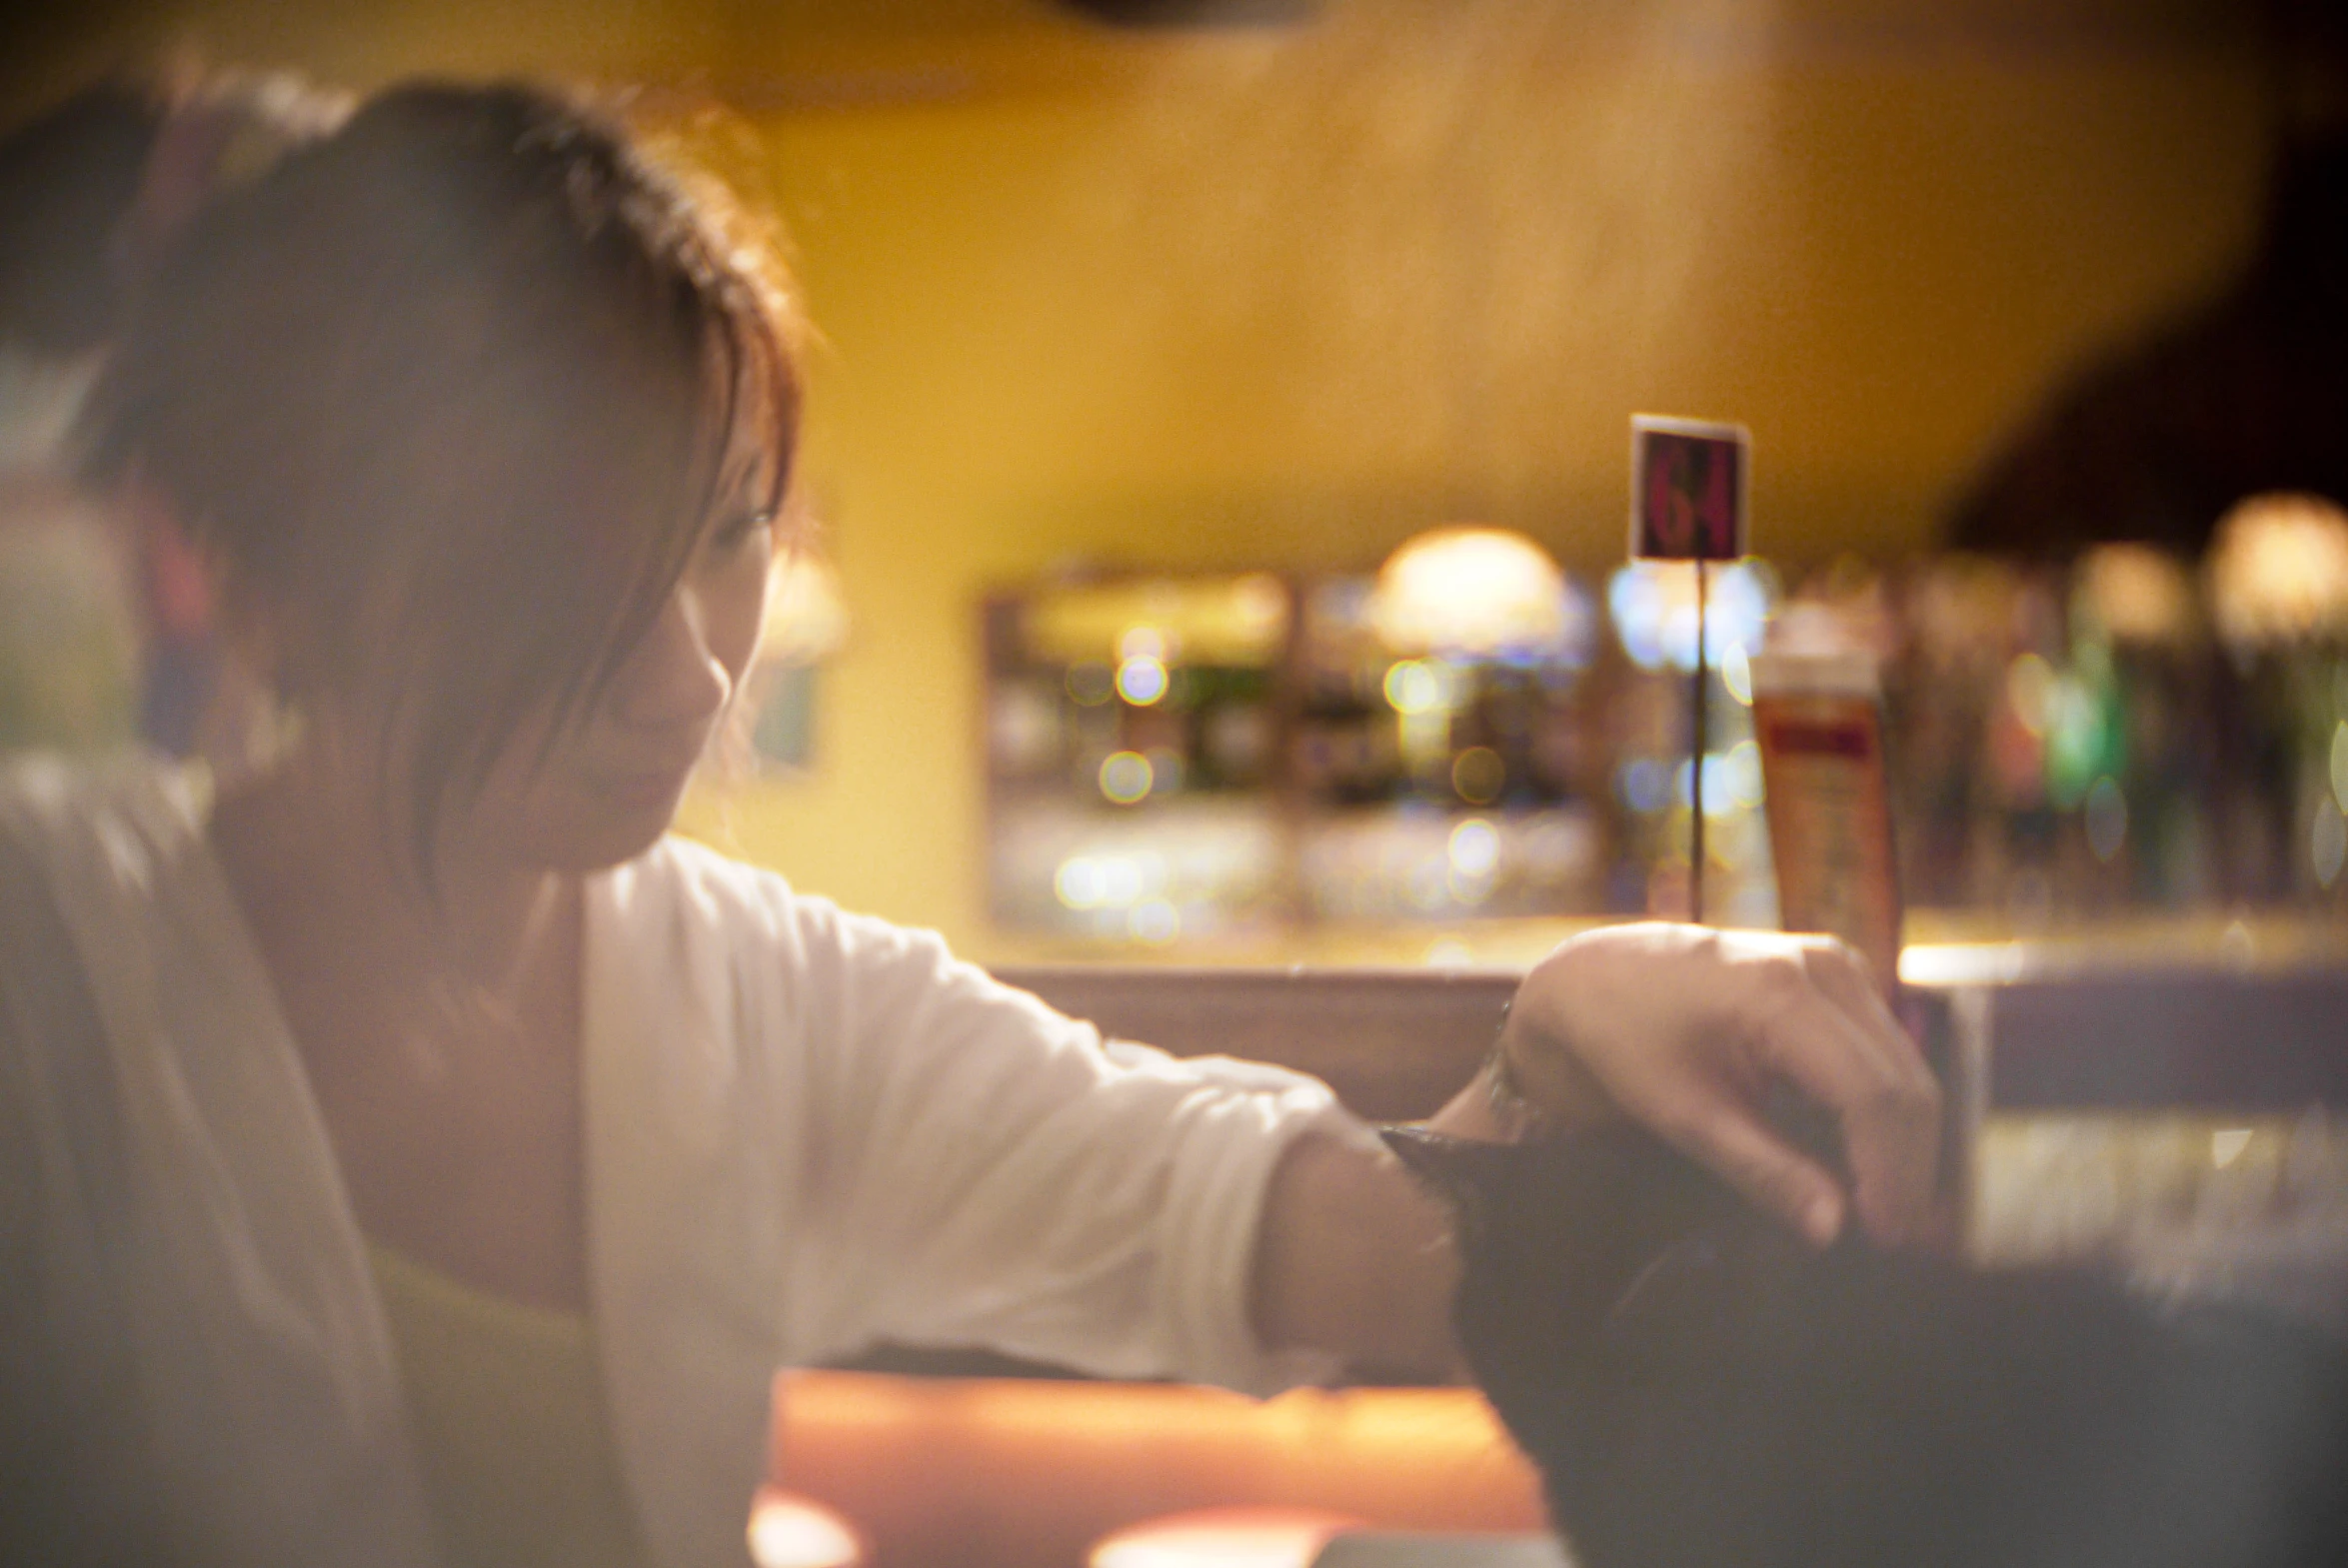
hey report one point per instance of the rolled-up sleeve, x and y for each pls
(984, 1171)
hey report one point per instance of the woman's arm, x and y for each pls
(1354, 1256)
(1681, 1026)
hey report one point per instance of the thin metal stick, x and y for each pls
(1695, 788)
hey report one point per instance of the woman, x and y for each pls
(419, 1066)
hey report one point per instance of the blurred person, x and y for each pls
(68, 644)
(412, 1154)
(105, 631)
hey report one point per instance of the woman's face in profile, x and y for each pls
(611, 780)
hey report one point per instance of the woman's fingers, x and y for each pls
(1896, 1194)
(1844, 975)
(1789, 1186)
(1682, 1028)
(1865, 1070)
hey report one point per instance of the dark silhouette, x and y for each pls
(2244, 394)
(1701, 1391)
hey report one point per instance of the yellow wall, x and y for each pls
(1283, 297)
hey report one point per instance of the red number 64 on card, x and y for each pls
(1689, 482)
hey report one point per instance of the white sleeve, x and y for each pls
(987, 1172)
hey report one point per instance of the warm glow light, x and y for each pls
(2136, 593)
(1223, 1538)
(2278, 569)
(1081, 882)
(1653, 604)
(1736, 674)
(1471, 591)
(1156, 921)
(1211, 621)
(1045, 1464)
(806, 614)
(1413, 688)
(1475, 848)
(794, 1532)
(1731, 781)
(2029, 690)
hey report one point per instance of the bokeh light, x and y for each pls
(1477, 775)
(1242, 1538)
(1741, 772)
(1156, 921)
(1645, 783)
(1079, 883)
(1141, 679)
(2030, 689)
(2278, 569)
(796, 1532)
(1414, 687)
(1477, 592)
(1125, 777)
(1655, 609)
(1725, 790)
(2331, 844)
(1475, 848)
(1736, 674)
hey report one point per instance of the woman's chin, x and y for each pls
(603, 832)
(624, 836)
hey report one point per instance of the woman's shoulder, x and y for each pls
(682, 893)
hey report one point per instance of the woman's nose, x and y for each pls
(673, 679)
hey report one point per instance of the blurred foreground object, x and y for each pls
(1000, 1473)
(1223, 1538)
(68, 180)
(787, 1531)
(68, 622)
(69, 646)
(110, 633)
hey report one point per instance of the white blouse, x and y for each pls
(806, 1132)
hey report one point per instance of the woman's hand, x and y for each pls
(1684, 1028)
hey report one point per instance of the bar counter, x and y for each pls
(2162, 1094)
(2169, 1093)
